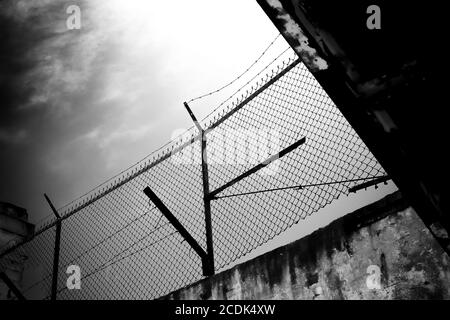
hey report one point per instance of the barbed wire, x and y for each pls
(247, 83)
(239, 76)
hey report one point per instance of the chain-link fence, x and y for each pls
(125, 247)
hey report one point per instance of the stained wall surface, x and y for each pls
(381, 251)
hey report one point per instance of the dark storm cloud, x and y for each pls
(72, 101)
(17, 38)
(26, 30)
(45, 78)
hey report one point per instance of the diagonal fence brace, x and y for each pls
(258, 167)
(182, 230)
(11, 286)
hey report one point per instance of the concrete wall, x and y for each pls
(13, 228)
(382, 251)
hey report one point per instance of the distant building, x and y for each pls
(14, 227)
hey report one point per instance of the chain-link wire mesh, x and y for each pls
(126, 249)
(31, 262)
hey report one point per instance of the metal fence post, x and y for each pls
(209, 271)
(56, 251)
(207, 201)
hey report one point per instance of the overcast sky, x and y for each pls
(78, 106)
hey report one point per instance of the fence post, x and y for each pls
(56, 250)
(209, 271)
(207, 201)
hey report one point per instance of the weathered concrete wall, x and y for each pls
(382, 251)
(13, 228)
